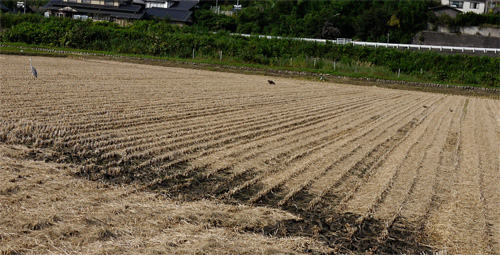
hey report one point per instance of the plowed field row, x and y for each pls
(366, 168)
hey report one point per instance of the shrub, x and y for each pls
(161, 39)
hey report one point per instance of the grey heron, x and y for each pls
(33, 70)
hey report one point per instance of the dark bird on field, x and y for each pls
(271, 82)
(425, 106)
(451, 110)
(33, 70)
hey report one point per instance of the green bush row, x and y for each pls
(161, 39)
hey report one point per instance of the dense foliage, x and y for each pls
(7, 20)
(468, 19)
(364, 20)
(161, 39)
(473, 19)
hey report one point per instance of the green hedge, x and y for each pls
(473, 19)
(161, 39)
(7, 20)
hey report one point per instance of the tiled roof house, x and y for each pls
(177, 11)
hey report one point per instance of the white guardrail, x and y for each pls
(384, 45)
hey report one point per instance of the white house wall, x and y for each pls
(480, 7)
(165, 4)
(466, 6)
(96, 2)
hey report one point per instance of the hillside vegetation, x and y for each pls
(382, 21)
(364, 20)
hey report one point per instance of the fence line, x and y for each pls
(385, 45)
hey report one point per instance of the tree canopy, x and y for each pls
(364, 20)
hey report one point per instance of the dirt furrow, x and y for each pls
(306, 164)
(396, 222)
(190, 147)
(315, 171)
(266, 119)
(274, 143)
(258, 143)
(462, 208)
(489, 174)
(370, 165)
(394, 226)
(355, 163)
(373, 193)
(423, 196)
(213, 179)
(135, 127)
(410, 168)
(183, 132)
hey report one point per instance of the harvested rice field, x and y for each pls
(103, 157)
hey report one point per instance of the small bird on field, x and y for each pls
(33, 70)
(271, 82)
(425, 106)
(451, 110)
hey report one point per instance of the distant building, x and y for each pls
(178, 12)
(121, 11)
(445, 9)
(233, 12)
(20, 7)
(476, 6)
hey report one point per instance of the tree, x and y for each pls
(329, 31)
(372, 24)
